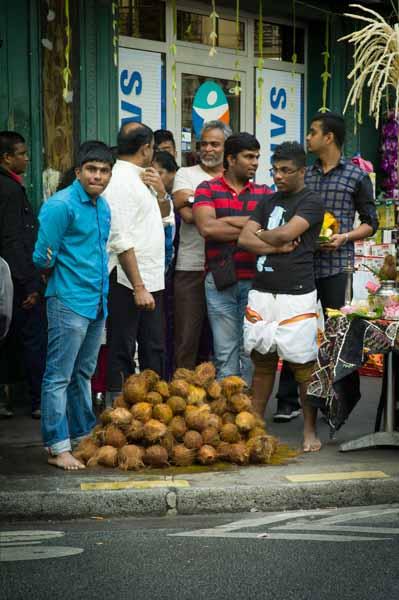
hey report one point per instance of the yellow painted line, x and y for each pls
(138, 485)
(337, 476)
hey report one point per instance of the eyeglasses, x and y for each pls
(283, 171)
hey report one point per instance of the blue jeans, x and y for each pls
(73, 345)
(226, 310)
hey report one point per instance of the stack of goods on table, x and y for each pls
(192, 419)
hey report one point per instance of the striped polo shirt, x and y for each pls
(220, 196)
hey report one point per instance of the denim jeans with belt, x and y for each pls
(73, 345)
(226, 310)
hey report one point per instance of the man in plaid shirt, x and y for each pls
(346, 190)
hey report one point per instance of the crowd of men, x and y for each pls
(247, 264)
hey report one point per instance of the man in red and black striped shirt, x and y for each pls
(222, 207)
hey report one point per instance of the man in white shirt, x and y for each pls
(189, 290)
(137, 259)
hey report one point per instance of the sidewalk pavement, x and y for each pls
(32, 489)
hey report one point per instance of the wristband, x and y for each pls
(346, 238)
(258, 232)
(138, 285)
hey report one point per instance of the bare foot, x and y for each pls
(65, 461)
(311, 444)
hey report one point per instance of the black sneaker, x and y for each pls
(286, 413)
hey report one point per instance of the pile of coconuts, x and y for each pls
(194, 419)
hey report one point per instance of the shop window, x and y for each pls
(195, 28)
(60, 106)
(143, 19)
(278, 42)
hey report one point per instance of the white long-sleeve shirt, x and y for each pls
(136, 223)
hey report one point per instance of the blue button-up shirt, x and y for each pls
(345, 190)
(77, 231)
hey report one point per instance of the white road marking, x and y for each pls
(37, 552)
(29, 536)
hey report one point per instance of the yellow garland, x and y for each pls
(325, 76)
(115, 32)
(213, 35)
(260, 82)
(173, 51)
(237, 75)
(66, 73)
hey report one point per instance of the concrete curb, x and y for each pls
(73, 504)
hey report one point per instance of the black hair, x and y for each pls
(8, 141)
(163, 135)
(334, 123)
(166, 161)
(131, 139)
(93, 150)
(290, 151)
(238, 142)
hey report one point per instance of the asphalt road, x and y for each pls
(347, 554)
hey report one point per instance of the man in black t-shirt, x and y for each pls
(281, 317)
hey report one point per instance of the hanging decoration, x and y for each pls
(389, 163)
(213, 35)
(236, 90)
(260, 82)
(376, 60)
(173, 51)
(294, 57)
(67, 73)
(326, 75)
(115, 32)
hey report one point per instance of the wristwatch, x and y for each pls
(190, 199)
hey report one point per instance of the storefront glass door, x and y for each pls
(205, 95)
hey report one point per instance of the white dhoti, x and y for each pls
(282, 323)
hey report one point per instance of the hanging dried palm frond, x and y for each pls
(376, 60)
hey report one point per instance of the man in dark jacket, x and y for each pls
(18, 232)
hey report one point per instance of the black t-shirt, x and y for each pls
(290, 273)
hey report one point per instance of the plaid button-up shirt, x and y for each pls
(345, 190)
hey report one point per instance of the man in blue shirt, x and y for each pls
(71, 247)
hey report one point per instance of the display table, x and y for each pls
(335, 382)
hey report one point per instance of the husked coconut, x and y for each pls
(228, 417)
(177, 427)
(261, 449)
(229, 433)
(214, 390)
(185, 374)
(219, 406)
(151, 377)
(232, 385)
(206, 455)
(204, 374)
(177, 404)
(154, 398)
(121, 417)
(239, 454)
(154, 430)
(107, 456)
(113, 436)
(162, 388)
(245, 421)
(211, 436)
(120, 402)
(135, 431)
(182, 456)
(215, 421)
(179, 387)
(142, 411)
(223, 450)
(163, 413)
(105, 416)
(193, 439)
(240, 402)
(196, 395)
(130, 458)
(256, 431)
(86, 449)
(168, 442)
(156, 456)
(197, 420)
(135, 389)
